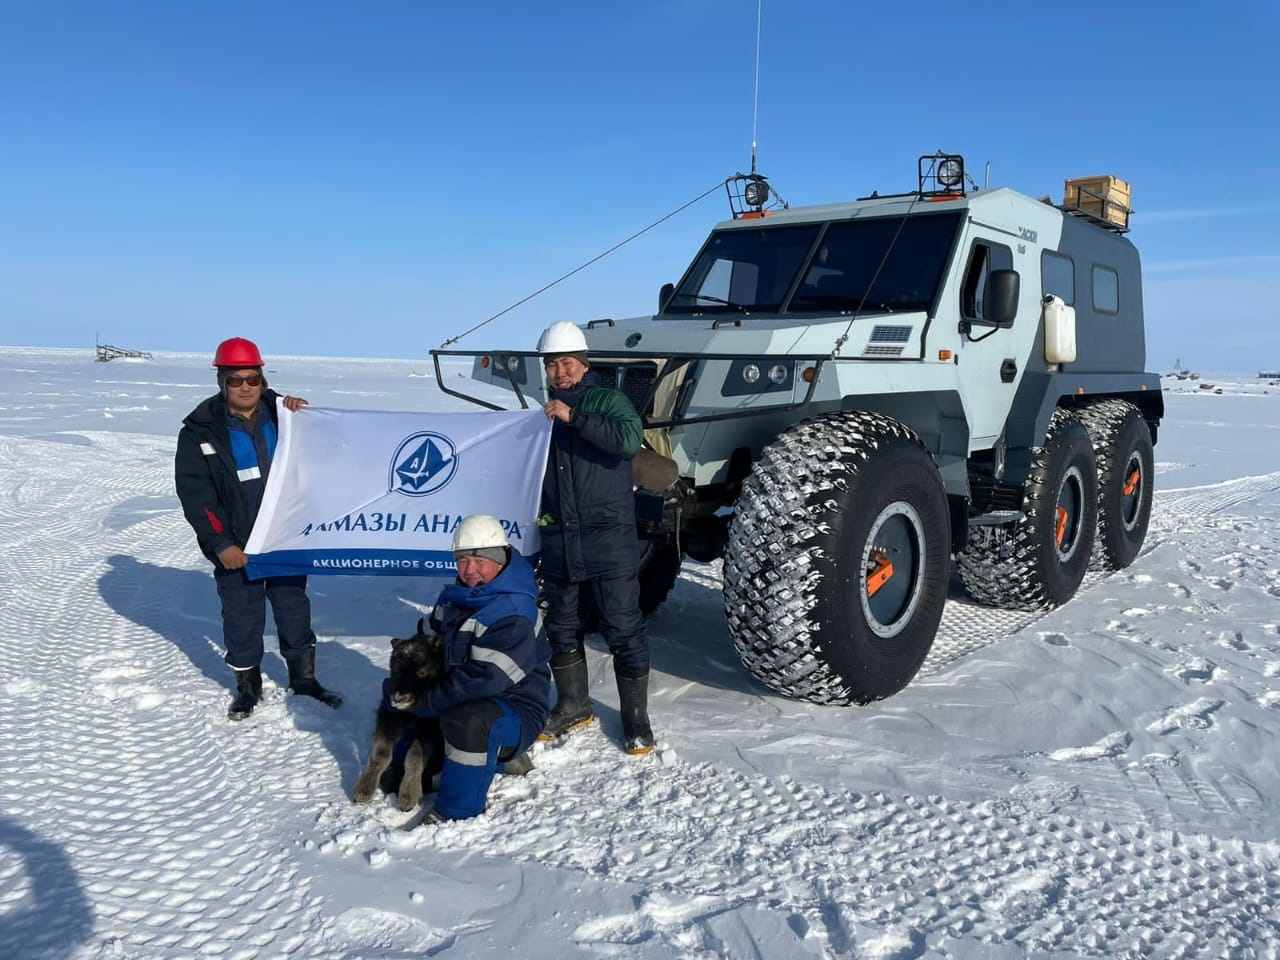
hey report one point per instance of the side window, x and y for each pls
(1106, 290)
(983, 258)
(1058, 276)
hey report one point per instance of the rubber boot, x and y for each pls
(633, 696)
(302, 679)
(248, 693)
(573, 706)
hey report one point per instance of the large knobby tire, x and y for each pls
(1038, 561)
(1126, 467)
(836, 570)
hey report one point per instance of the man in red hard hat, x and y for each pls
(224, 454)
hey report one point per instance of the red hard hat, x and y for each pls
(237, 353)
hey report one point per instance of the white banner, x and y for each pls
(363, 493)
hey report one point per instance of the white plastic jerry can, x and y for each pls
(1059, 330)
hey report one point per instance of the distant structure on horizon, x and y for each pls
(105, 351)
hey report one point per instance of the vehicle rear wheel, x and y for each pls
(1126, 466)
(1038, 560)
(836, 570)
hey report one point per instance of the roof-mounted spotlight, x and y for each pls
(756, 193)
(951, 172)
(942, 176)
(751, 197)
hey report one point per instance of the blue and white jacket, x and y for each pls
(220, 471)
(492, 648)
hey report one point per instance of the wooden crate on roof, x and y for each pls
(1106, 198)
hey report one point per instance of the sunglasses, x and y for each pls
(253, 380)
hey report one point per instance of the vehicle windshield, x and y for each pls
(883, 265)
(744, 271)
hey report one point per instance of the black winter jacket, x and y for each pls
(588, 507)
(205, 477)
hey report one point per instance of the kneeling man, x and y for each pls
(495, 695)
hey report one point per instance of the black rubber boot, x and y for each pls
(302, 679)
(633, 697)
(248, 693)
(573, 706)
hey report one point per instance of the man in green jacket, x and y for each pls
(588, 529)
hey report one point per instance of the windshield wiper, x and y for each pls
(707, 296)
(817, 301)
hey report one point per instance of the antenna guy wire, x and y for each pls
(601, 256)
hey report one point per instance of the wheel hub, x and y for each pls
(892, 569)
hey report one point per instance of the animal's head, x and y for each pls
(417, 664)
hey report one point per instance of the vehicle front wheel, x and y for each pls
(836, 570)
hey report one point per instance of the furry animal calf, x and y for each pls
(417, 664)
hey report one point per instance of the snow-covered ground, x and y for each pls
(1100, 780)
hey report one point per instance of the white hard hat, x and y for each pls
(479, 532)
(560, 338)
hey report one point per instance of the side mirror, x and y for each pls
(664, 295)
(1000, 301)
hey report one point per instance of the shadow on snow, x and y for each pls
(55, 916)
(182, 606)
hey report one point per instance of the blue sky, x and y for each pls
(368, 179)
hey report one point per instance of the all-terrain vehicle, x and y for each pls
(855, 395)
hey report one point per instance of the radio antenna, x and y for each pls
(755, 107)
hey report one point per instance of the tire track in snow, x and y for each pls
(158, 823)
(172, 845)
(967, 627)
(1214, 498)
(700, 841)
(1132, 789)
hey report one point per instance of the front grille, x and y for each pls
(633, 379)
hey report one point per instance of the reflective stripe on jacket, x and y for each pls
(492, 648)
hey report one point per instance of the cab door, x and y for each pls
(988, 355)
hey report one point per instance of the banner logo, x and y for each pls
(423, 463)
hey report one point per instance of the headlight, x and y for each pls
(761, 376)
